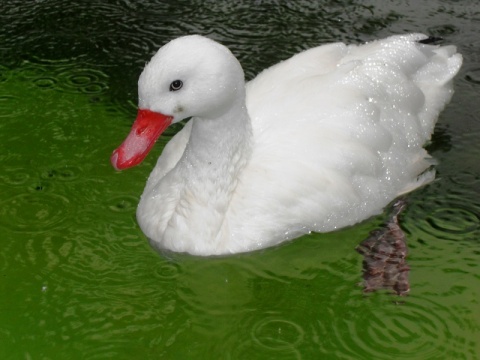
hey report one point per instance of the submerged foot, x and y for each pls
(384, 256)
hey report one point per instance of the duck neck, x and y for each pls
(217, 151)
(206, 178)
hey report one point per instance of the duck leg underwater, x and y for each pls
(385, 256)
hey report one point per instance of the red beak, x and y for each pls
(145, 131)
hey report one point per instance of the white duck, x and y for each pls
(318, 142)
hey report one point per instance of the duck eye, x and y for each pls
(176, 85)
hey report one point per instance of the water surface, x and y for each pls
(78, 278)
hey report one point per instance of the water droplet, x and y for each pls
(45, 82)
(167, 271)
(64, 173)
(123, 204)
(277, 334)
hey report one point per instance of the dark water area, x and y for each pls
(78, 278)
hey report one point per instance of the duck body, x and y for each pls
(318, 142)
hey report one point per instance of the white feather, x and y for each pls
(318, 142)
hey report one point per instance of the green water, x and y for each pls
(78, 279)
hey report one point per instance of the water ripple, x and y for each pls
(453, 221)
(396, 332)
(45, 82)
(15, 176)
(473, 76)
(123, 203)
(167, 271)
(466, 178)
(4, 73)
(221, 278)
(443, 30)
(79, 273)
(277, 333)
(248, 350)
(34, 212)
(450, 218)
(87, 81)
(63, 173)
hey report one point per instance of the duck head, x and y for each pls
(191, 76)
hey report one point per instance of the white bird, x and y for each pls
(318, 142)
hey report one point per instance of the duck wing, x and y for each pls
(338, 132)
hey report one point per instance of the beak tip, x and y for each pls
(146, 129)
(114, 160)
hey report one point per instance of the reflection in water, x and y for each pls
(78, 277)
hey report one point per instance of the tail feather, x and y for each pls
(431, 40)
